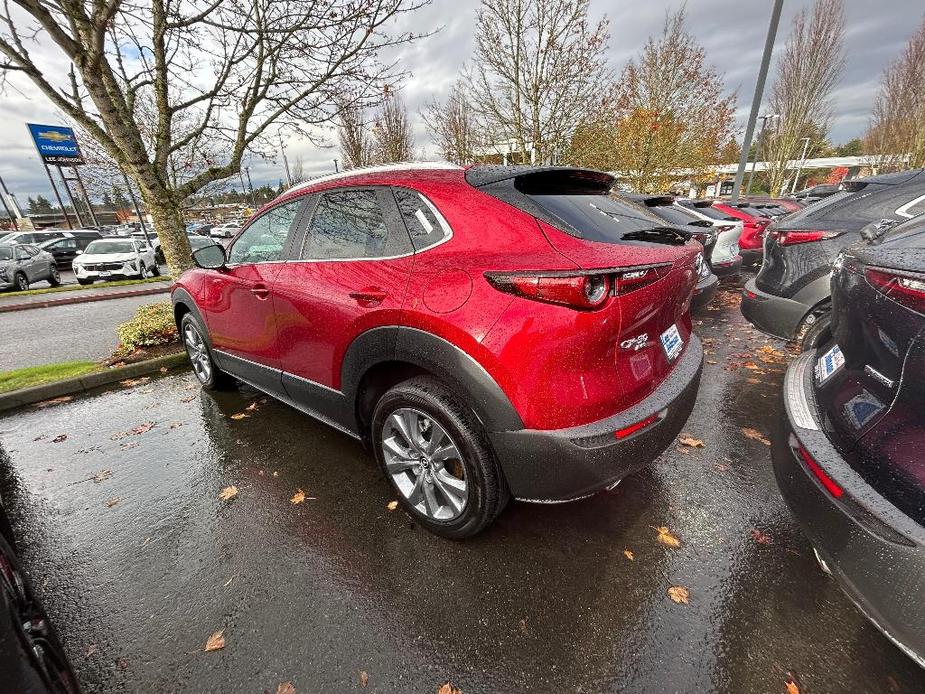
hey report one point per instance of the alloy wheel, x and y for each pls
(198, 354)
(425, 464)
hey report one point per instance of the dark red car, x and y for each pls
(751, 242)
(489, 332)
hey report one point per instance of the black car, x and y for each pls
(849, 455)
(790, 298)
(32, 660)
(69, 247)
(653, 207)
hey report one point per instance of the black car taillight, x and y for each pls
(792, 238)
(905, 289)
(582, 290)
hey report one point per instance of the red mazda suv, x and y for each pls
(488, 332)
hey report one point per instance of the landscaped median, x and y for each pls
(76, 293)
(148, 344)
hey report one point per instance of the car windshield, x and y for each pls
(103, 247)
(6, 252)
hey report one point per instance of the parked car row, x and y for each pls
(845, 278)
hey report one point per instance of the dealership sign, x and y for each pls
(56, 144)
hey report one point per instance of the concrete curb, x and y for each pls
(69, 386)
(81, 299)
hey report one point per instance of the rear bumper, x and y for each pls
(704, 292)
(566, 464)
(727, 268)
(772, 314)
(875, 552)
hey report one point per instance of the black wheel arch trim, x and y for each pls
(181, 296)
(438, 356)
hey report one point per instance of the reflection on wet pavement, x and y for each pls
(148, 562)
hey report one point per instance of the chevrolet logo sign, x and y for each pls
(54, 136)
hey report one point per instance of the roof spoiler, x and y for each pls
(540, 180)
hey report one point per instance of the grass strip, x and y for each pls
(79, 287)
(47, 373)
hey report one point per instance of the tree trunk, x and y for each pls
(171, 230)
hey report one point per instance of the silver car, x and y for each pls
(22, 263)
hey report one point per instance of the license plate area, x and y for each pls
(672, 342)
(828, 364)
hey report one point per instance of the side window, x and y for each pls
(347, 224)
(264, 239)
(31, 251)
(421, 218)
(20, 252)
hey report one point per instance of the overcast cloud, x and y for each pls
(731, 32)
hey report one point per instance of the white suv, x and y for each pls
(115, 258)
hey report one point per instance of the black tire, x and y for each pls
(156, 270)
(215, 379)
(488, 492)
(21, 282)
(816, 328)
(54, 278)
(159, 256)
(84, 281)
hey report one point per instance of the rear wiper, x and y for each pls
(875, 230)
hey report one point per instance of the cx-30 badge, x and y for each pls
(635, 343)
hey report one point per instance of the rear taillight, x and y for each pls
(830, 485)
(907, 290)
(792, 238)
(582, 290)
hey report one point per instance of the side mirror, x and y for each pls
(210, 257)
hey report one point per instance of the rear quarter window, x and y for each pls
(425, 224)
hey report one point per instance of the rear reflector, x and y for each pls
(633, 428)
(814, 467)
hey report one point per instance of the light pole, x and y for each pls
(336, 170)
(247, 172)
(282, 149)
(756, 99)
(800, 167)
(764, 123)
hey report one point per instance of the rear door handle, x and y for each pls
(260, 291)
(369, 297)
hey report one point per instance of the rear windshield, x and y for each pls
(608, 219)
(110, 247)
(674, 214)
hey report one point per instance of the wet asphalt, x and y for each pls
(138, 569)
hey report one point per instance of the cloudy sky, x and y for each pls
(732, 33)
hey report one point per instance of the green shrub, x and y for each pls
(152, 325)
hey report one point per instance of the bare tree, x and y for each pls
(897, 126)
(453, 126)
(807, 72)
(538, 71)
(297, 170)
(668, 118)
(178, 91)
(391, 132)
(354, 138)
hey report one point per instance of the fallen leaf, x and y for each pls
(392, 505)
(252, 407)
(228, 582)
(298, 497)
(40, 437)
(129, 382)
(688, 440)
(753, 381)
(228, 493)
(275, 473)
(55, 401)
(142, 428)
(751, 365)
(679, 594)
(755, 435)
(285, 688)
(792, 687)
(240, 415)
(122, 663)
(666, 538)
(762, 538)
(447, 688)
(113, 501)
(163, 369)
(628, 554)
(712, 361)
(102, 475)
(91, 650)
(364, 678)
(189, 399)
(59, 438)
(216, 642)
(523, 626)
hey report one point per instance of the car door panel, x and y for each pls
(324, 303)
(237, 304)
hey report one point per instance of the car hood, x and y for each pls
(106, 257)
